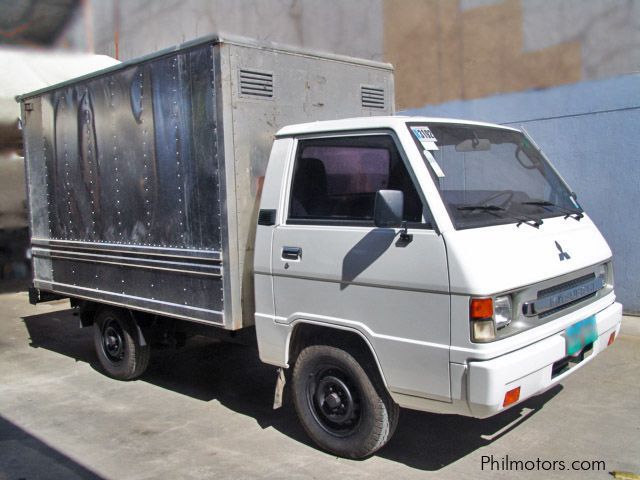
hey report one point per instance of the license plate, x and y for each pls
(580, 335)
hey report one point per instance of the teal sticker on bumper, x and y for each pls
(581, 334)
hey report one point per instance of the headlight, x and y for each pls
(487, 316)
(502, 312)
(605, 273)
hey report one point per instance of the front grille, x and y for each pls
(548, 313)
(559, 297)
(565, 286)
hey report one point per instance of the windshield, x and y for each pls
(489, 176)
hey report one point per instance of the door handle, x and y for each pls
(291, 253)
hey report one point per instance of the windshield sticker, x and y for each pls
(426, 137)
(434, 165)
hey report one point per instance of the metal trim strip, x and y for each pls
(131, 249)
(78, 257)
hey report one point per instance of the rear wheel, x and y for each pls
(118, 344)
(343, 410)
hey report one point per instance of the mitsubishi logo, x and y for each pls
(563, 255)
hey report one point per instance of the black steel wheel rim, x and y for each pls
(113, 341)
(334, 400)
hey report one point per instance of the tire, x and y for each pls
(343, 410)
(117, 344)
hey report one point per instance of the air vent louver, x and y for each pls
(256, 84)
(372, 97)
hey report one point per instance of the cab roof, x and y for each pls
(368, 123)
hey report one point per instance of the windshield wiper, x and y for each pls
(532, 222)
(487, 208)
(569, 213)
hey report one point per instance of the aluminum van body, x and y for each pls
(143, 179)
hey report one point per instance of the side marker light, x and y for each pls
(511, 397)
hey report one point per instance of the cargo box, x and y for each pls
(144, 178)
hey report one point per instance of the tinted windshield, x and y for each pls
(489, 176)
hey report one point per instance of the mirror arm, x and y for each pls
(405, 236)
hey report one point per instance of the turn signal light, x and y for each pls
(512, 396)
(612, 338)
(481, 308)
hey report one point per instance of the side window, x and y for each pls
(336, 179)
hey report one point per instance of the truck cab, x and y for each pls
(447, 259)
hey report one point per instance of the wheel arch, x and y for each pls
(307, 332)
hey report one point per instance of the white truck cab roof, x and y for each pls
(366, 123)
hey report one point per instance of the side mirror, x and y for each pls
(388, 208)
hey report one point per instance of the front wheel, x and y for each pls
(118, 344)
(343, 410)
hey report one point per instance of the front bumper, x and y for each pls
(531, 367)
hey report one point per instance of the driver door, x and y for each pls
(331, 265)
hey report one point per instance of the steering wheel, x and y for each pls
(508, 193)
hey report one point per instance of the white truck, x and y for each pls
(432, 264)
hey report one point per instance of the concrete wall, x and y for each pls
(590, 131)
(126, 29)
(13, 205)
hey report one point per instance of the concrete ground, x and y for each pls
(205, 412)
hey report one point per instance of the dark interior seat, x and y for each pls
(309, 194)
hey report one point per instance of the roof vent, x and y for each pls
(256, 84)
(372, 97)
